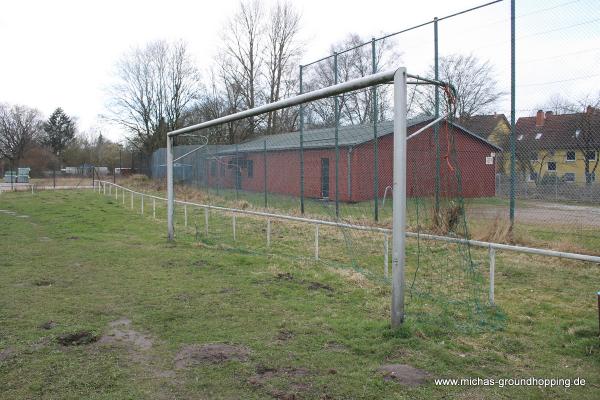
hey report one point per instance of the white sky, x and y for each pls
(62, 53)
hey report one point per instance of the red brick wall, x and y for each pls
(283, 177)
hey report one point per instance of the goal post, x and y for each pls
(399, 79)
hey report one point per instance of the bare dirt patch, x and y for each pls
(48, 325)
(320, 286)
(214, 353)
(77, 338)
(285, 276)
(43, 282)
(404, 374)
(284, 335)
(335, 346)
(294, 388)
(121, 333)
(6, 354)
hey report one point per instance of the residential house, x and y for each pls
(559, 148)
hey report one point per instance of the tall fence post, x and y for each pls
(337, 129)
(399, 199)
(238, 172)
(512, 115)
(170, 190)
(265, 169)
(301, 150)
(185, 218)
(436, 127)
(218, 165)
(492, 256)
(375, 138)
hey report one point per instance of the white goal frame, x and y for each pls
(399, 78)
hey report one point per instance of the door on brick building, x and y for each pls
(325, 178)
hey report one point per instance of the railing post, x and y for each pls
(233, 226)
(185, 215)
(103, 189)
(492, 255)
(206, 220)
(132, 200)
(123, 191)
(153, 208)
(399, 199)
(317, 242)
(386, 251)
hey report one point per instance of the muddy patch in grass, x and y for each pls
(79, 338)
(48, 325)
(123, 334)
(287, 277)
(210, 354)
(284, 335)
(199, 264)
(404, 374)
(284, 276)
(6, 354)
(319, 286)
(293, 377)
(43, 282)
(335, 346)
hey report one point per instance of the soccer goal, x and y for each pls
(400, 79)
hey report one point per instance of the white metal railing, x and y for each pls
(491, 246)
(425, 236)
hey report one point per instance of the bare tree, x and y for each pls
(155, 86)
(20, 126)
(241, 61)
(474, 81)
(283, 51)
(354, 108)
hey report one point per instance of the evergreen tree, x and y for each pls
(59, 131)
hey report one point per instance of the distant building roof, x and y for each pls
(560, 131)
(322, 138)
(352, 135)
(483, 125)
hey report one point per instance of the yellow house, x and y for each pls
(559, 148)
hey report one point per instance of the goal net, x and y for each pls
(340, 176)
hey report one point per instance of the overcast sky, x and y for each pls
(62, 53)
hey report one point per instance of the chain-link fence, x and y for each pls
(333, 156)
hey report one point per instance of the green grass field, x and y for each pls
(208, 318)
